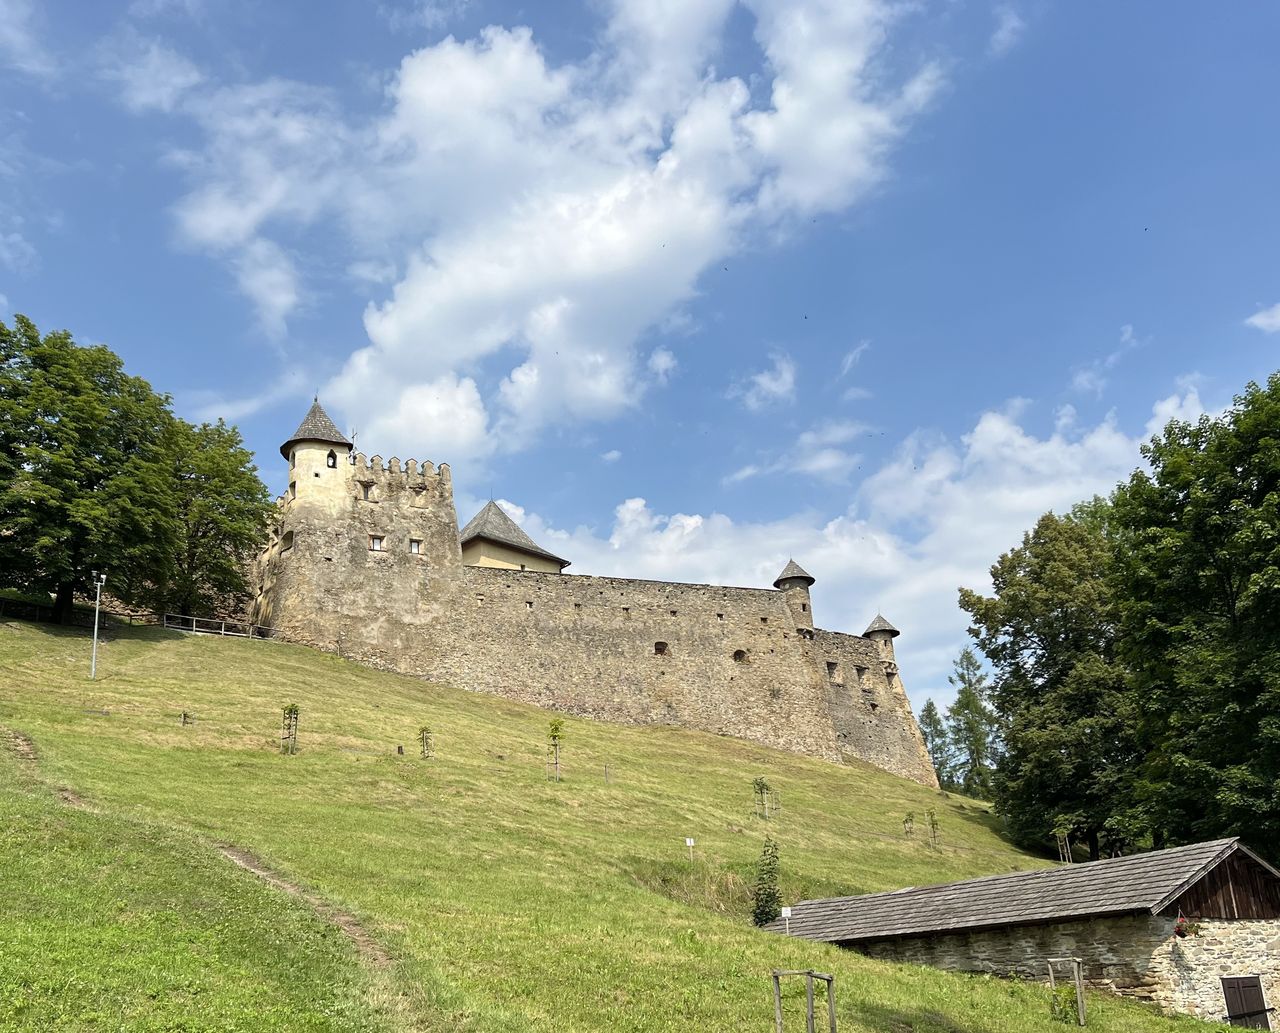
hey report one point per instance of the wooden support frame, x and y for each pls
(810, 1018)
(1077, 976)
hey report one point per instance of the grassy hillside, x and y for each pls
(506, 902)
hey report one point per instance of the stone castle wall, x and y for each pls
(735, 661)
(1136, 956)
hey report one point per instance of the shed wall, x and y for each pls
(1137, 956)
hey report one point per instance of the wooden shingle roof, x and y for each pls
(315, 426)
(1139, 883)
(793, 570)
(493, 523)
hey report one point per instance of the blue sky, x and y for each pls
(691, 286)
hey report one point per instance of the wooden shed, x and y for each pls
(1196, 929)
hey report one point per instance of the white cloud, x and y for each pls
(662, 363)
(932, 518)
(209, 405)
(817, 452)
(20, 45)
(16, 252)
(771, 386)
(1010, 26)
(4, 303)
(445, 415)
(1267, 320)
(422, 14)
(546, 216)
(267, 276)
(156, 8)
(1093, 378)
(612, 456)
(151, 75)
(851, 357)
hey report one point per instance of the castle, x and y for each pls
(366, 560)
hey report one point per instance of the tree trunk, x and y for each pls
(1094, 853)
(62, 603)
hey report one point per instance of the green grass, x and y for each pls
(507, 901)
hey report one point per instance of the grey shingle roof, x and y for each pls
(1138, 883)
(315, 426)
(880, 624)
(793, 569)
(494, 524)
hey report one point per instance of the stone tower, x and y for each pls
(794, 583)
(882, 633)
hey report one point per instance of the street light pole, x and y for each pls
(98, 581)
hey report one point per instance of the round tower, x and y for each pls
(319, 461)
(794, 583)
(882, 633)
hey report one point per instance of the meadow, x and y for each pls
(503, 900)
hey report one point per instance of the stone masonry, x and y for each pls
(365, 560)
(1137, 956)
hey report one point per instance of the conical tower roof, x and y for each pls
(880, 624)
(493, 523)
(793, 570)
(315, 426)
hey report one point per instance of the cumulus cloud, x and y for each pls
(930, 519)
(770, 386)
(544, 216)
(1267, 320)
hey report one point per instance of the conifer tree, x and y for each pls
(938, 742)
(971, 728)
(766, 898)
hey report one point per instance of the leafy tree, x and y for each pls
(766, 898)
(1063, 699)
(938, 742)
(222, 510)
(971, 728)
(1199, 580)
(86, 482)
(96, 472)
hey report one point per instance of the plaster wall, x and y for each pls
(1136, 956)
(480, 552)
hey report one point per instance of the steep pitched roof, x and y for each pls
(880, 624)
(1139, 883)
(315, 426)
(793, 569)
(493, 524)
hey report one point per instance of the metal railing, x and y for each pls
(212, 626)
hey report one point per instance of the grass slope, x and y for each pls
(509, 902)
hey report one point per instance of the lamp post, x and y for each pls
(98, 581)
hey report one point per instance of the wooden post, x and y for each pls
(808, 1002)
(777, 1001)
(1077, 966)
(831, 1002)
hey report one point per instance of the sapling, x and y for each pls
(424, 736)
(289, 730)
(766, 899)
(555, 737)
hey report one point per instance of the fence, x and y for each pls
(212, 626)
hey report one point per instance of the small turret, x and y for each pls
(882, 633)
(794, 582)
(319, 456)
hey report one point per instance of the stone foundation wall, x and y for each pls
(1136, 956)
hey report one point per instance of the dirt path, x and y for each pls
(369, 948)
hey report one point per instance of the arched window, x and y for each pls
(332, 461)
(286, 543)
(739, 656)
(660, 649)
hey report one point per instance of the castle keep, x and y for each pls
(367, 560)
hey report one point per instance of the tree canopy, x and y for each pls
(97, 473)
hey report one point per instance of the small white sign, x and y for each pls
(688, 841)
(786, 912)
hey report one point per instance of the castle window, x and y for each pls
(833, 671)
(660, 649)
(332, 461)
(528, 604)
(673, 613)
(804, 607)
(764, 620)
(577, 606)
(626, 611)
(293, 489)
(366, 490)
(292, 457)
(859, 673)
(375, 542)
(286, 543)
(739, 656)
(415, 546)
(719, 616)
(522, 566)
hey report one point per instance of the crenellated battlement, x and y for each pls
(374, 468)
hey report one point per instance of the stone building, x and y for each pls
(366, 559)
(1195, 929)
